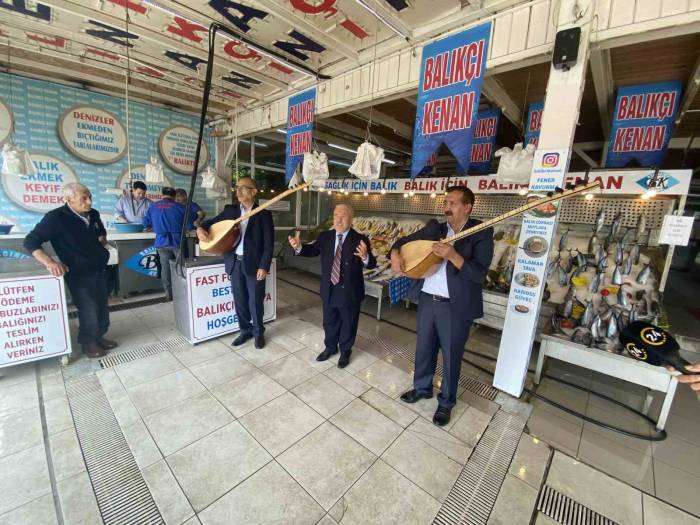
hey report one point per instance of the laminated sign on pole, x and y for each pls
(551, 162)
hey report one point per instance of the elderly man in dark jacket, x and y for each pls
(344, 254)
(78, 237)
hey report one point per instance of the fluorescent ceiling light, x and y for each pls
(386, 22)
(343, 148)
(389, 161)
(339, 163)
(283, 131)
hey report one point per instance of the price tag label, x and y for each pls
(676, 230)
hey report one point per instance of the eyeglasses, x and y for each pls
(244, 187)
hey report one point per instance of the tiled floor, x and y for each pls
(272, 436)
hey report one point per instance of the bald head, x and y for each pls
(342, 217)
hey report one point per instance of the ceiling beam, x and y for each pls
(387, 16)
(588, 160)
(401, 129)
(158, 37)
(108, 77)
(493, 90)
(691, 90)
(601, 69)
(332, 43)
(359, 134)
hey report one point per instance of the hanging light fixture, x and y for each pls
(15, 161)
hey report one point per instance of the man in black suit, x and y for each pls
(248, 261)
(344, 254)
(448, 300)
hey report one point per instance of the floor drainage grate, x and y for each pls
(141, 352)
(562, 509)
(122, 494)
(469, 383)
(474, 493)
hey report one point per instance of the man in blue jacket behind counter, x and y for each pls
(448, 300)
(165, 217)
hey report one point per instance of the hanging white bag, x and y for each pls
(368, 162)
(516, 164)
(154, 172)
(315, 168)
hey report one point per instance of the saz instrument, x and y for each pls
(223, 235)
(418, 256)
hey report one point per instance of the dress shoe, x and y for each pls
(344, 359)
(238, 341)
(260, 342)
(325, 355)
(94, 350)
(107, 344)
(413, 395)
(442, 416)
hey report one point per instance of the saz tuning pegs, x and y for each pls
(550, 194)
(558, 190)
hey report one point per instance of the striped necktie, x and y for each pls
(335, 272)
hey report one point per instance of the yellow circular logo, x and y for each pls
(637, 353)
(653, 336)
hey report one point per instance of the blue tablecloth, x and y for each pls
(398, 289)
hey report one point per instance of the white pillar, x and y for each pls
(559, 118)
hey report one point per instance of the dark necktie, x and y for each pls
(335, 272)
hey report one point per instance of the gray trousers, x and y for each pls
(166, 255)
(438, 328)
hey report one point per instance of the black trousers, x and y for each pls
(340, 318)
(248, 297)
(437, 327)
(89, 294)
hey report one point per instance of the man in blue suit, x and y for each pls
(344, 254)
(248, 261)
(448, 300)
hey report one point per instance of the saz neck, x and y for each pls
(520, 210)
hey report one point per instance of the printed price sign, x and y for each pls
(676, 230)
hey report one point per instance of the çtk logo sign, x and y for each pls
(145, 262)
(550, 160)
(661, 182)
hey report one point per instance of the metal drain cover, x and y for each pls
(562, 509)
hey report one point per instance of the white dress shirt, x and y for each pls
(436, 283)
(242, 226)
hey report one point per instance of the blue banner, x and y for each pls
(534, 123)
(642, 124)
(300, 128)
(484, 140)
(451, 74)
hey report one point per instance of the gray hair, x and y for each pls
(350, 209)
(72, 189)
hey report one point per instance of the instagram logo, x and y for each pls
(550, 160)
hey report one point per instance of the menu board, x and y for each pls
(178, 146)
(92, 134)
(42, 191)
(525, 298)
(212, 312)
(33, 319)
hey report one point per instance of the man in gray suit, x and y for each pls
(448, 300)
